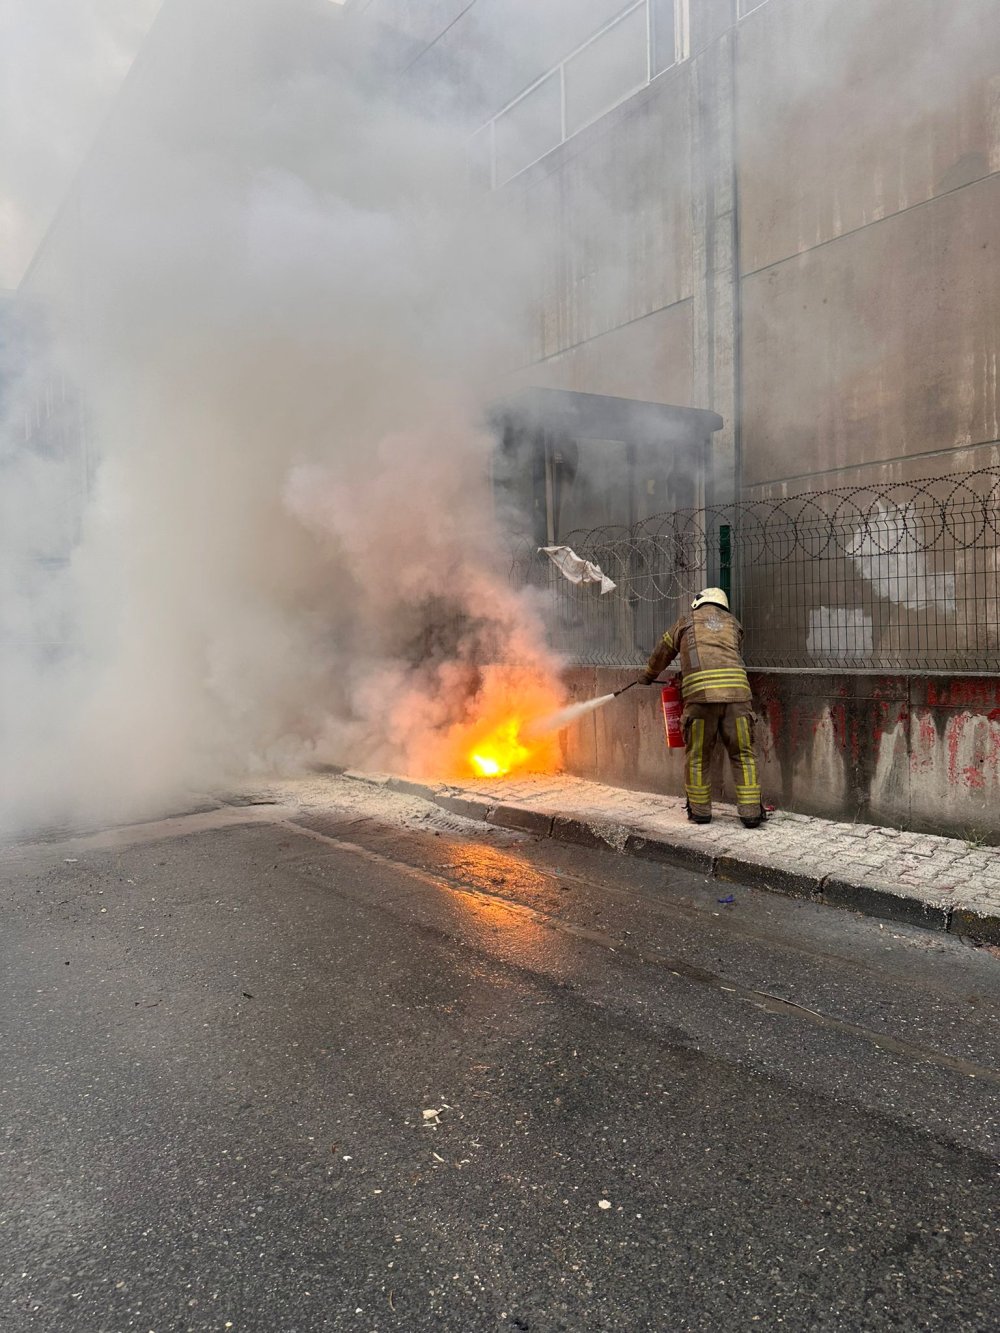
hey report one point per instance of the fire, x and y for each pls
(502, 750)
(492, 734)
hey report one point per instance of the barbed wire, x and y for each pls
(901, 576)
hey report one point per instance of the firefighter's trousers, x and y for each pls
(703, 725)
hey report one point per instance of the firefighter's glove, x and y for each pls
(647, 677)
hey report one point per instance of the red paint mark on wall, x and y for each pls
(976, 692)
(985, 750)
(855, 741)
(775, 718)
(923, 744)
(953, 739)
(838, 720)
(889, 688)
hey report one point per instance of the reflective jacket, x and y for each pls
(708, 642)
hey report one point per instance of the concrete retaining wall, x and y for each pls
(920, 752)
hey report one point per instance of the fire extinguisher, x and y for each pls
(673, 707)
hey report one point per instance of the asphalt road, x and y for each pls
(297, 1069)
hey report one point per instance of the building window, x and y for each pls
(529, 128)
(645, 39)
(607, 70)
(668, 34)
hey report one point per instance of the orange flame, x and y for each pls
(488, 741)
(499, 752)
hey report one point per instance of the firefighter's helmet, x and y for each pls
(711, 597)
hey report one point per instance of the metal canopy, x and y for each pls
(603, 417)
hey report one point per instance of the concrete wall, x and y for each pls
(868, 152)
(613, 219)
(795, 227)
(919, 752)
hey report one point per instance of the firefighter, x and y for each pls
(716, 696)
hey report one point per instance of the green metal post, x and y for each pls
(726, 560)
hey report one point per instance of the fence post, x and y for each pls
(726, 560)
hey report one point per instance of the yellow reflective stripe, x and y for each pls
(733, 683)
(666, 639)
(697, 743)
(743, 736)
(717, 673)
(706, 682)
(747, 756)
(721, 678)
(746, 794)
(700, 795)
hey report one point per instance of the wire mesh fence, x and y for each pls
(896, 578)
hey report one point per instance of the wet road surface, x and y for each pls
(336, 1069)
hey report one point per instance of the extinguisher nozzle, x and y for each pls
(626, 687)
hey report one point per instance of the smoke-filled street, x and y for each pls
(499, 574)
(342, 1061)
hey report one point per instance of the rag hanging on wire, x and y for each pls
(576, 569)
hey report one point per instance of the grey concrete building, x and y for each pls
(778, 211)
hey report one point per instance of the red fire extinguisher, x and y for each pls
(673, 707)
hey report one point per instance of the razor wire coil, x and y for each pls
(902, 577)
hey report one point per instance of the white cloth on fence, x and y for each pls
(576, 569)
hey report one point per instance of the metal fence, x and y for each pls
(902, 577)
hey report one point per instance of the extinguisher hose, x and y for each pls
(637, 682)
(625, 687)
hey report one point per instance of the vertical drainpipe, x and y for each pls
(716, 252)
(734, 157)
(737, 316)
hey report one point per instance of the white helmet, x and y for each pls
(710, 597)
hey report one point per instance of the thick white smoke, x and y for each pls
(286, 312)
(60, 64)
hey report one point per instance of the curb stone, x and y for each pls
(521, 817)
(873, 901)
(471, 807)
(978, 926)
(604, 836)
(760, 875)
(933, 912)
(644, 847)
(407, 788)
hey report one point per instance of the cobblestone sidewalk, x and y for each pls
(940, 883)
